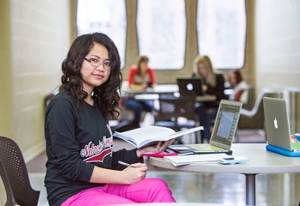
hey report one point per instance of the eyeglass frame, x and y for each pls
(99, 63)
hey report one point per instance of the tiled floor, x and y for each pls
(222, 189)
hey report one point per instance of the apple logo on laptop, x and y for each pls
(189, 87)
(275, 123)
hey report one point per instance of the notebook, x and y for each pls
(187, 85)
(223, 131)
(277, 128)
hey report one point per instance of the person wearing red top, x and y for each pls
(140, 77)
(239, 85)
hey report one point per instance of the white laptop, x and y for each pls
(277, 128)
(223, 131)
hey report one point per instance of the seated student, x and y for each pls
(239, 85)
(140, 77)
(82, 167)
(213, 84)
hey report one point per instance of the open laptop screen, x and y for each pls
(225, 124)
(224, 128)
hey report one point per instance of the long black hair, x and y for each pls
(107, 95)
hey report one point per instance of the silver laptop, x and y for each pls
(223, 131)
(277, 124)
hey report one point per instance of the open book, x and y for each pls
(144, 136)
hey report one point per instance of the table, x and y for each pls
(260, 161)
(158, 89)
(153, 93)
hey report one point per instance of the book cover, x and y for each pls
(144, 136)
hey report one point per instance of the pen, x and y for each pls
(124, 163)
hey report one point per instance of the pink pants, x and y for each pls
(146, 191)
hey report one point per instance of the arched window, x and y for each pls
(161, 28)
(221, 27)
(104, 16)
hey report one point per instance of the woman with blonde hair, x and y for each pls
(212, 84)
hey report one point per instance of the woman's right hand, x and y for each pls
(204, 88)
(144, 85)
(134, 173)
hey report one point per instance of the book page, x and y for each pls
(185, 131)
(143, 136)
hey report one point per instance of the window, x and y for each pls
(161, 28)
(104, 16)
(221, 27)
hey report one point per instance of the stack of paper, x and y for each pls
(180, 160)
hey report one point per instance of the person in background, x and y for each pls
(141, 76)
(82, 168)
(212, 84)
(239, 85)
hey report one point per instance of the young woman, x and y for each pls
(239, 85)
(213, 84)
(82, 168)
(140, 77)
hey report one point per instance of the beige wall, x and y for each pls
(277, 43)
(36, 41)
(5, 71)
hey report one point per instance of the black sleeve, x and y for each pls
(128, 156)
(60, 121)
(218, 90)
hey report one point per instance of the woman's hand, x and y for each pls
(204, 88)
(159, 147)
(131, 174)
(138, 86)
(134, 173)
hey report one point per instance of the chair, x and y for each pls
(251, 98)
(176, 112)
(254, 118)
(14, 175)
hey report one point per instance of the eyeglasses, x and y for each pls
(97, 63)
